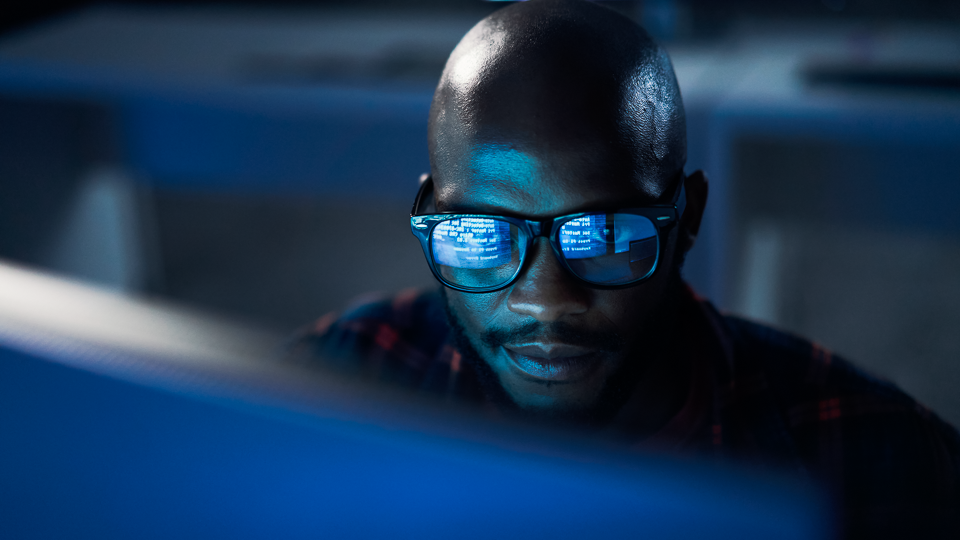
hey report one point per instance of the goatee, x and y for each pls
(616, 389)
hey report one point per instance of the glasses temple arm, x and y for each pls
(680, 198)
(426, 189)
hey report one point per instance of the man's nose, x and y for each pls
(545, 290)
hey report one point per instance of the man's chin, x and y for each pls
(557, 408)
(569, 391)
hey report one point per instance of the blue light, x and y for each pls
(472, 243)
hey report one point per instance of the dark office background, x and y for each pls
(258, 159)
(708, 15)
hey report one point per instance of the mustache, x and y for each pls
(601, 340)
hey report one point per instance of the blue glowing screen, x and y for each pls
(479, 243)
(584, 237)
(594, 235)
(472, 243)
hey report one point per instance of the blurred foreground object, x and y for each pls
(123, 419)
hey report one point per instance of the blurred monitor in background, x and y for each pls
(557, 217)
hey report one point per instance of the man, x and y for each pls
(557, 217)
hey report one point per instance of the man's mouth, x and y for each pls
(553, 362)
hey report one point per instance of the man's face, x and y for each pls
(553, 342)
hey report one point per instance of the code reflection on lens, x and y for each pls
(472, 243)
(596, 235)
(609, 248)
(584, 237)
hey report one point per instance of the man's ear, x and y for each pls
(697, 188)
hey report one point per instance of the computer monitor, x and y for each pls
(107, 433)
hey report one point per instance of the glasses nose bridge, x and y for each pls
(540, 228)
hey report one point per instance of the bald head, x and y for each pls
(547, 86)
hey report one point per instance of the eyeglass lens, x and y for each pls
(608, 249)
(476, 252)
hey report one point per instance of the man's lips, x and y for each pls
(555, 362)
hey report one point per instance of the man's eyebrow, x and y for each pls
(470, 209)
(466, 208)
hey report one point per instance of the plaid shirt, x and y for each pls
(757, 395)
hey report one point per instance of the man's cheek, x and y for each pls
(477, 311)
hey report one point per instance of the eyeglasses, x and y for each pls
(485, 253)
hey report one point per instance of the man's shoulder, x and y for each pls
(400, 337)
(890, 457)
(800, 371)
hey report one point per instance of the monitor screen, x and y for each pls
(100, 440)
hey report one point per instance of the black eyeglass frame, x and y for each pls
(663, 216)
